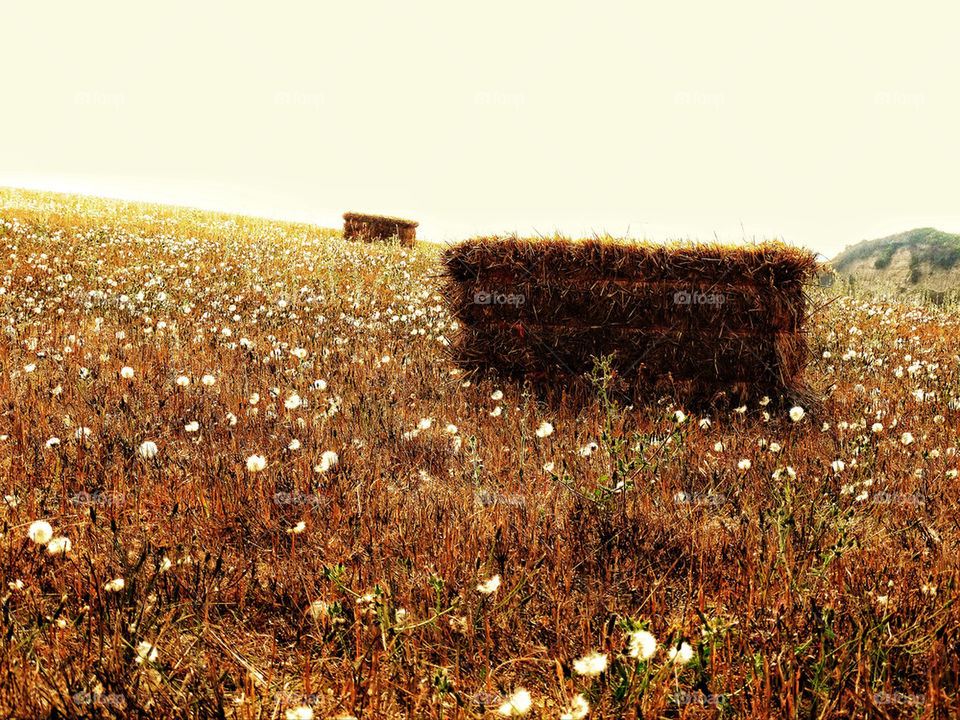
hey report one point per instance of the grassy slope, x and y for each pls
(887, 261)
(797, 594)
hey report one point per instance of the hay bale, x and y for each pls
(370, 228)
(702, 317)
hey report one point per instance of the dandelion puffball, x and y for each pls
(256, 463)
(327, 461)
(544, 430)
(148, 450)
(301, 712)
(683, 655)
(642, 644)
(126, 372)
(592, 664)
(517, 704)
(114, 585)
(579, 708)
(796, 413)
(489, 586)
(59, 546)
(40, 532)
(146, 652)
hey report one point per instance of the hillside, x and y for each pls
(923, 258)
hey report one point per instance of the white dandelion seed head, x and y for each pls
(545, 430)
(683, 655)
(591, 665)
(328, 460)
(146, 652)
(517, 704)
(59, 546)
(588, 449)
(301, 712)
(489, 586)
(40, 532)
(641, 644)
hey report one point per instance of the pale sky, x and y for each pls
(821, 123)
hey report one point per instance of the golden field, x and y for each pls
(241, 477)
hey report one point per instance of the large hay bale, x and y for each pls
(701, 318)
(370, 228)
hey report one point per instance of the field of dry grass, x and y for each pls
(240, 477)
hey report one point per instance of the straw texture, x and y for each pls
(693, 318)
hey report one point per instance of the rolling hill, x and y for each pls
(923, 258)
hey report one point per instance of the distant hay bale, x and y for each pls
(701, 319)
(370, 228)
